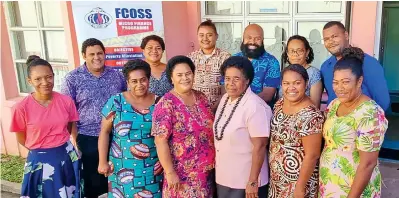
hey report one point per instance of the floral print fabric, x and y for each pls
(287, 152)
(189, 132)
(361, 130)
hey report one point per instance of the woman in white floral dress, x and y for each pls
(354, 132)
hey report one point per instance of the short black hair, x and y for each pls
(152, 38)
(305, 42)
(136, 64)
(34, 60)
(91, 42)
(208, 23)
(298, 69)
(177, 60)
(333, 23)
(240, 63)
(352, 59)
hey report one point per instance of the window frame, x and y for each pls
(12, 27)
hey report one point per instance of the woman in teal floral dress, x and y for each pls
(133, 168)
(354, 132)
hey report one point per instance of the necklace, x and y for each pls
(142, 110)
(220, 137)
(354, 101)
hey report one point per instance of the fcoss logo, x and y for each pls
(98, 18)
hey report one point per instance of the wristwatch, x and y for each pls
(253, 184)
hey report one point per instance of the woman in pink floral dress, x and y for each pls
(183, 135)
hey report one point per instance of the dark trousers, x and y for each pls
(95, 184)
(226, 192)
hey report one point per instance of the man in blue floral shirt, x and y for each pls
(90, 85)
(266, 66)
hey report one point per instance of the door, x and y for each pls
(389, 58)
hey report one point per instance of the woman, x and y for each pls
(153, 47)
(295, 143)
(183, 134)
(353, 132)
(241, 130)
(44, 121)
(133, 168)
(298, 51)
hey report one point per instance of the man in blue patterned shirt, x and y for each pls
(90, 85)
(266, 66)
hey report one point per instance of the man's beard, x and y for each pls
(252, 53)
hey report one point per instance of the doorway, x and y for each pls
(390, 61)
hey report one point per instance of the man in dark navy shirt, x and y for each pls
(336, 39)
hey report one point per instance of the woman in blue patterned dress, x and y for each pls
(133, 168)
(153, 47)
(298, 51)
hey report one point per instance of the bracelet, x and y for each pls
(253, 184)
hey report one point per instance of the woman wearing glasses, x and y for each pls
(298, 51)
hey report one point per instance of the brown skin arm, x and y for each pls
(258, 156)
(164, 154)
(312, 147)
(267, 93)
(368, 161)
(315, 93)
(21, 137)
(73, 130)
(103, 140)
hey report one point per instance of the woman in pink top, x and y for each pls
(182, 126)
(241, 128)
(44, 122)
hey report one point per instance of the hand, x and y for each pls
(299, 192)
(104, 168)
(251, 191)
(173, 180)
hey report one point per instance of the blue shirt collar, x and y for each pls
(83, 68)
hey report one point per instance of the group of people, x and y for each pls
(208, 124)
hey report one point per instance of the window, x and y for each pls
(279, 20)
(36, 28)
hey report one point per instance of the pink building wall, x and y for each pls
(180, 25)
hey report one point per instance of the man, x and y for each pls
(208, 60)
(336, 39)
(267, 68)
(90, 85)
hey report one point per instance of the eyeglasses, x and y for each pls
(298, 52)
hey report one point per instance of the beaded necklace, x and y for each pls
(220, 137)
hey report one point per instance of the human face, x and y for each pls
(207, 38)
(346, 86)
(294, 86)
(153, 51)
(252, 45)
(297, 52)
(94, 57)
(41, 79)
(182, 78)
(138, 83)
(335, 40)
(235, 82)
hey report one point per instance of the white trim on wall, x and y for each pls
(378, 24)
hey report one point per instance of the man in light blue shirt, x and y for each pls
(336, 39)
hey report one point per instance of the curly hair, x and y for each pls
(91, 42)
(352, 58)
(178, 60)
(152, 38)
(305, 42)
(240, 63)
(136, 64)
